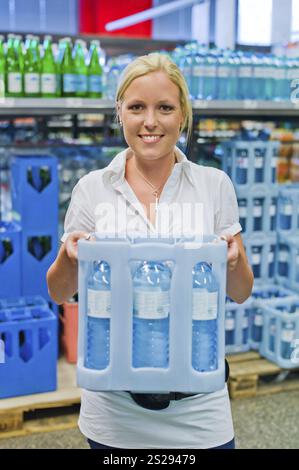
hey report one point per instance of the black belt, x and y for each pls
(160, 401)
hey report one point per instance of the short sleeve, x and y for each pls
(227, 213)
(79, 215)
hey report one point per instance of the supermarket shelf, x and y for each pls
(246, 108)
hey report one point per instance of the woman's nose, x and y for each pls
(150, 119)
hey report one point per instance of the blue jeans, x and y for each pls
(97, 445)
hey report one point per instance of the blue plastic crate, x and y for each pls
(281, 333)
(261, 253)
(39, 250)
(10, 259)
(288, 210)
(34, 191)
(287, 262)
(237, 326)
(261, 296)
(250, 163)
(120, 374)
(257, 210)
(28, 329)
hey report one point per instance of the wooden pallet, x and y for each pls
(25, 415)
(251, 375)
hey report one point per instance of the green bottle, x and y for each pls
(20, 52)
(48, 71)
(68, 71)
(13, 75)
(2, 68)
(31, 71)
(80, 68)
(95, 72)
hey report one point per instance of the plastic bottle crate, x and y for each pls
(69, 337)
(261, 296)
(250, 163)
(288, 210)
(287, 261)
(120, 374)
(39, 250)
(281, 333)
(10, 259)
(261, 253)
(237, 326)
(35, 191)
(258, 210)
(28, 329)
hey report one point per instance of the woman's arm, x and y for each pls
(62, 276)
(239, 274)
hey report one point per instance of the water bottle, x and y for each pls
(273, 207)
(271, 255)
(259, 164)
(285, 213)
(242, 165)
(283, 260)
(272, 334)
(257, 214)
(257, 326)
(245, 326)
(209, 69)
(229, 327)
(204, 323)
(111, 79)
(256, 261)
(98, 317)
(222, 76)
(243, 213)
(245, 77)
(288, 334)
(232, 82)
(151, 305)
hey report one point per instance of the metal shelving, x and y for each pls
(43, 106)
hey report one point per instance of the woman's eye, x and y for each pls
(166, 107)
(135, 107)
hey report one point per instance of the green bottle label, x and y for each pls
(2, 87)
(48, 83)
(14, 82)
(32, 83)
(95, 84)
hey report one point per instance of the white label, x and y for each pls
(223, 72)
(279, 74)
(229, 324)
(32, 83)
(292, 74)
(257, 211)
(274, 162)
(151, 305)
(243, 211)
(270, 257)
(209, 71)
(48, 83)
(197, 71)
(98, 303)
(245, 72)
(258, 320)
(200, 304)
(287, 209)
(272, 329)
(288, 335)
(258, 72)
(245, 323)
(242, 162)
(14, 82)
(2, 87)
(212, 305)
(256, 258)
(258, 162)
(283, 256)
(272, 210)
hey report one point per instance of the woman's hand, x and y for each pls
(233, 252)
(71, 244)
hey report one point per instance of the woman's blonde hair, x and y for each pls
(156, 62)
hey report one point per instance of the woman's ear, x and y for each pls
(118, 114)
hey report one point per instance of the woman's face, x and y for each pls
(151, 115)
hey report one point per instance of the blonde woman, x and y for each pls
(153, 108)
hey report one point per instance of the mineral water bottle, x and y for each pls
(288, 333)
(285, 213)
(204, 323)
(245, 77)
(95, 71)
(271, 261)
(242, 165)
(272, 334)
(48, 71)
(32, 69)
(243, 213)
(68, 71)
(229, 327)
(297, 265)
(256, 261)
(151, 285)
(98, 317)
(257, 326)
(283, 260)
(245, 326)
(80, 67)
(2, 68)
(14, 79)
(273, 208)
(257, 214)
(259, 164)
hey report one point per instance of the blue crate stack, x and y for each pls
(270, 222)
(10, 259)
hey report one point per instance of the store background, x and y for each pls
(82, 135)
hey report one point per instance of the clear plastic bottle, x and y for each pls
(151, 285)
(98, 317)
(288, 334)
(204, 323)
(242, 165)
(229, 327)
(283, 260)
(258, 214)
(285, 213)
(80, 67)
(257, 326)
(95, 71)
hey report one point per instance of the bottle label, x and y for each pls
(245, 72)
(95, 84)
(257, 211)
(229, 324)
(31, 83)
(274, 162)
(197, 71)
(209, 71)
(48, 83)
(151, 305)
(279, 75)
(258, 72)
(283, 256)
(99, 303)
(258, 162)
(242, 162)
(200, 304)
(223, 72)
(288, 335)
(14, 82)
(81, 83)
(272, 329)
(245, 323)
(287, 209)
(243, 212)
(212, 305)
(272, 210)
(69, 83)
(2, 89)
(258, 320)
(256, 258)
(270, 257)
